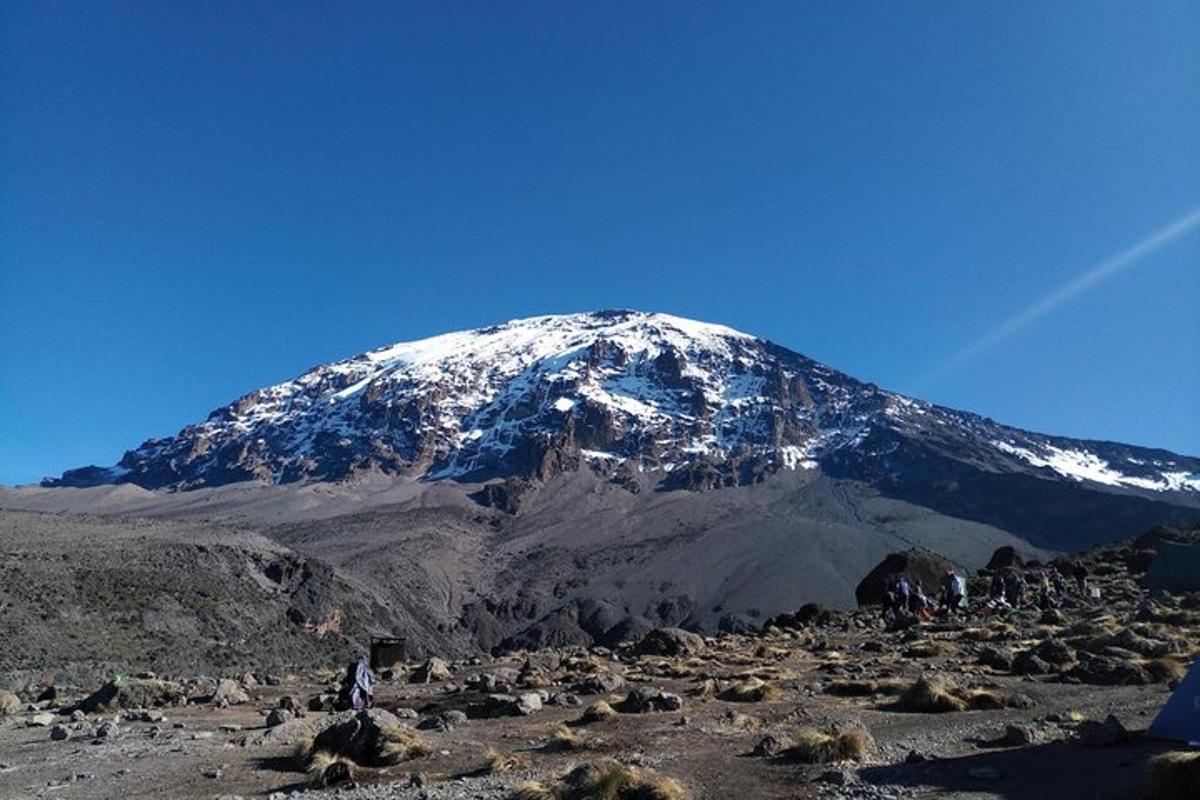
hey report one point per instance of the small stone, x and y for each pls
(771, 745)
(60, 733)
(278, 716)
(1019, 736)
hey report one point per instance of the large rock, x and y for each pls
(918, 565)
(132, 693)
(643, 700)
(1108, 671)
(229, 693)
(602, 682)
(1005, 557)
(432, 671)
(1102, 734)
(507, 705)
(670, 642)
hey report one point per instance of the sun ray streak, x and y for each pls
(1164, 236)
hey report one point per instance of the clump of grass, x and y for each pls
(326, 770)
(813, 746)
(926, 649)
(534, 790)
(705, 688)
(615, 781)
(609, 780)
(395, 744)
(597, 712)
(304, 749)
(750, 690)
(500, 763)
(982, 699)
(560, 737)
(764, 651)
(1165, 669)
(931, 696)
(1172, 776)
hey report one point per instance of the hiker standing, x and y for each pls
(1044, 600)
(358, 686)
(363, 694)
(953, 591)
(917, 601)
(903, 595)
(1059, 582)
(1081, 576)
(1014, 588)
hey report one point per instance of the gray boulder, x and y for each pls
(670, 642)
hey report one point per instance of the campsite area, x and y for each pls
(1075, 701)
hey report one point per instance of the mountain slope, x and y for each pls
(699, 406)
(577, 478)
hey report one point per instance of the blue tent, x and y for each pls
(1180, 717)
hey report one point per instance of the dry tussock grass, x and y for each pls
(765, 651)
(813, 746)
(561, 738)
(751, 690)
(326, 770)
(938, 696)
(500, 763)
(534, 790)
(705, 688)
(597, 712)
(396, 744)
(1173, 776)
(608, 780)
(928, 648)
(1167, 668)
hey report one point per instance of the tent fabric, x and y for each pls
(1176, 568)
(1179, 719)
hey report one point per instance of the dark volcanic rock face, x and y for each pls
(687, 405)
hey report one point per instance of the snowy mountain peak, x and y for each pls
(696, 404)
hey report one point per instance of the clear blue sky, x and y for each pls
(199, 199)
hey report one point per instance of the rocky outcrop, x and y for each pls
(919, 566)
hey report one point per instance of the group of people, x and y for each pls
(904, 599)
(1044, 590)
(1008, 589)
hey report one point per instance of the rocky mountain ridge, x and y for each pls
(692, 404)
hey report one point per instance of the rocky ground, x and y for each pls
(1023, 704)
